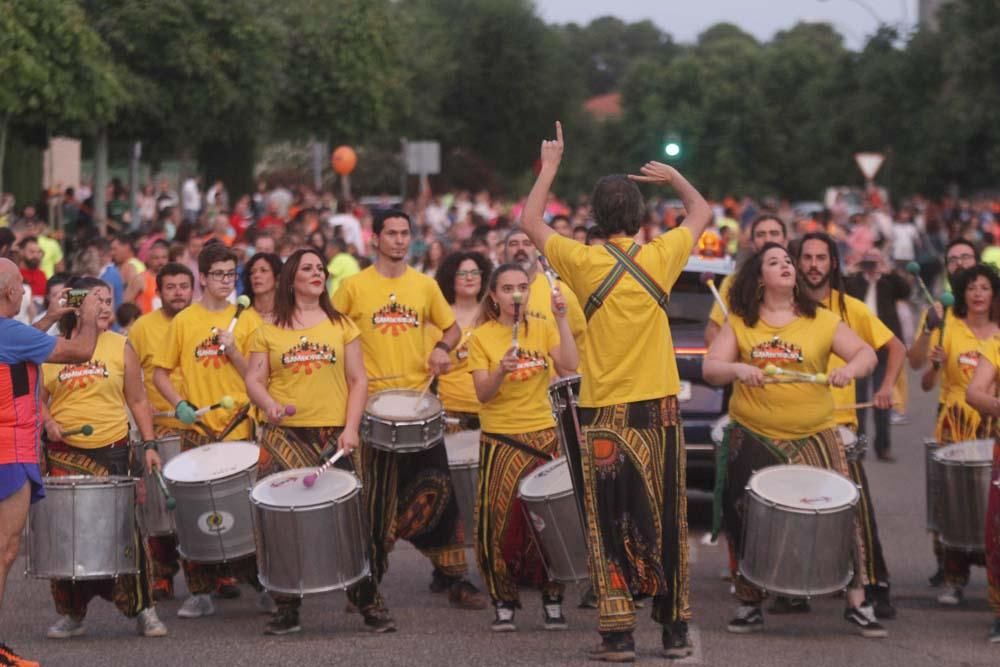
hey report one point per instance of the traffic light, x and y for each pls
(672, 147)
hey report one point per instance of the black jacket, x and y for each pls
(889, 289)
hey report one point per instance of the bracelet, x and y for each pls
(150, 444)
(441, 345)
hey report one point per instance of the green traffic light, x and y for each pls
(672, 149)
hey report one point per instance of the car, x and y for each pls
(702, 405)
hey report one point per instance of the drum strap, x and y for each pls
(520, 445)
(722, 468)
(625, 264)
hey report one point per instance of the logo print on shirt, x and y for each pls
(777, 352)
(80, 376)
(968, 361)
(209, 351)
(529, 364)
(395, 318)
(306, 357)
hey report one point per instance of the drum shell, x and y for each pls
(465, 480)
(84, 529)
(312, 549)
(402, 437)
(224, 500)
(154, 517)
(559, 530)
(798, 553)
(964, 488)
(932, 475)
(564, 395)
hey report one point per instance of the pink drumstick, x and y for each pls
(289, 410)
(311, 478)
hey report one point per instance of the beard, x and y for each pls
(818, 283)
(522, 259)
(32, 263)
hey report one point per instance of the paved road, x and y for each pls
(433, 634)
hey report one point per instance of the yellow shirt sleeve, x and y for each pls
(478, 360)
(169, 356)
(675, 249)
(440, 313)
(351, 330)
(342, 297)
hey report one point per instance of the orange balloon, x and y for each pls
(344, 160)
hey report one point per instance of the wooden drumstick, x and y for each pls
(226, 403)
(709, 279)
(517, 318)
(171, 503)
(859, 406)
(311, 478)
(549, 274)
(86, 429)
(423, 392)
(817, 378)
(242, 303)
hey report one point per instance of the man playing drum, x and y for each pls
(97, 392)
(774, 324)
(518, 436)
(632, 448)
(212, 363)
(24, 349)
(819, 265)
(391, 303)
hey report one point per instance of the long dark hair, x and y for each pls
(490, 309)
(272, 260)
(745, 295)
(284, 298)
(445, 275)
(836, 275)
(67, 323)
(966, 277)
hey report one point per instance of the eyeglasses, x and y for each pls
(961, 259)
(474, 273)
(222, 276)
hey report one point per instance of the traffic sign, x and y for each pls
(869, 163)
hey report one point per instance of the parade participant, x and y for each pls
(954, 356)
(462, 278)
(260, 279)
(519, 249)
(773, 321)
(129, 266)
(309, 334)
(981, 395)
(97, 392)
(632, 448)
(764, 229)
(175, 286)
(212, 364)
(518, 435)
(819, 263)
(391, 303)
(23, 351)
(149, 298)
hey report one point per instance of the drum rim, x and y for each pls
(565, 381)
(94, 481)
(211, 482)
(855, 498)
(317, 505)
(395, 424)
(314, 591)
(252, 466)
(409, 449)
(937, 456)
(408, 392)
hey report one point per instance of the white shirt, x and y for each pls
(904, 241)
(350, 230)
(190, 195)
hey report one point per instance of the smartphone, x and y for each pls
(75, 297)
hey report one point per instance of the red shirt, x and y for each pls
(23, 351)
(36, 281)
(270, 221)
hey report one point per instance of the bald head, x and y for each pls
(11, 288)
(8, 273)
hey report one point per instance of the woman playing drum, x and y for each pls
(518, 435)
(97, 393)
(954, 356)
(773, 323)
(310, 358)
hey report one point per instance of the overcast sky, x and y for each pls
(685, 19)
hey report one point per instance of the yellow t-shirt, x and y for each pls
(540, 307)
(793, 410)
(307, 370)
(193, 346)
(628, 355)
(91, 393)
(456, 389)
(521, 405)
(147, 336)
(871, 330)
(392, 314)
(989, 350)
(717, 315)
(962, 351)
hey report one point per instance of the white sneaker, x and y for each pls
(952, 597)
(197, 606)
(266, 603)
(65, 628)
(149, 624)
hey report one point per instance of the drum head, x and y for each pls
(211, 462)
(286, 488)
(403, 405)
(968, 451)
(847, 436)
(463, 448)
(552, 479)
(800, 487)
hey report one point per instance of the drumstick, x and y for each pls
(171, 503)
(423, 393)
(947, 300)
(240, 417)
(517, 317)
(914, 269)
(709, 279)
(227, 403)
(547, 271)
(818, 378)
(242, 304)
(86, 429)
(858, 406)
(311, 478)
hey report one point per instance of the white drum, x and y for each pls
(463, 461)
(154, 517)
(963, 471)
(548, 497)
(402, 421)
(211, 485)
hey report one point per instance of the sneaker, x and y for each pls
(898, 418)
(284, 622)
(952, 597)
(379, 621)
(676, 640)
(440, 582)
(885, 457)
(163, 589)
(786, 605)
(877, 595)
(589, 599)
(504, 619)
(265, 603)
(994, 632)
(149, 624)
(226, 588)
(13, 659)
(863, 618)
(553, 617)
(749, 618)
(614, 647)
(197, 606)
(66, 627)
(936, 580)
(463, 595)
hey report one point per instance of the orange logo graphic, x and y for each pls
(968, 361)
(307, 357)
(209, 351)
(79, 376)
(395, 318)
(529, 364)
(777, 352)
(462, 353)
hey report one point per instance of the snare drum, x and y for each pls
(211, 484)
(932, 478)
(85, 529)
(310, 540)
(564, 394)
(402, 420)
(463, 461)
(798, 534)
(154, 517)
(854, 444)
(548, 497)
(964, 489)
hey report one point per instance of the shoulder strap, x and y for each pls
(627, 264)
(596, 300)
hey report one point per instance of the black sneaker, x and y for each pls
(749, 618)
(864, 619)
(589, 599)
(936, 580)
(504, 619)
(614, 647)
(676, 641)
(552, 616)
(440, 582)
(786, 605)
(285, 621)
(379, 621)
(995, 632)
(877, 595)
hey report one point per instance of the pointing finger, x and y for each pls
(559, 134)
